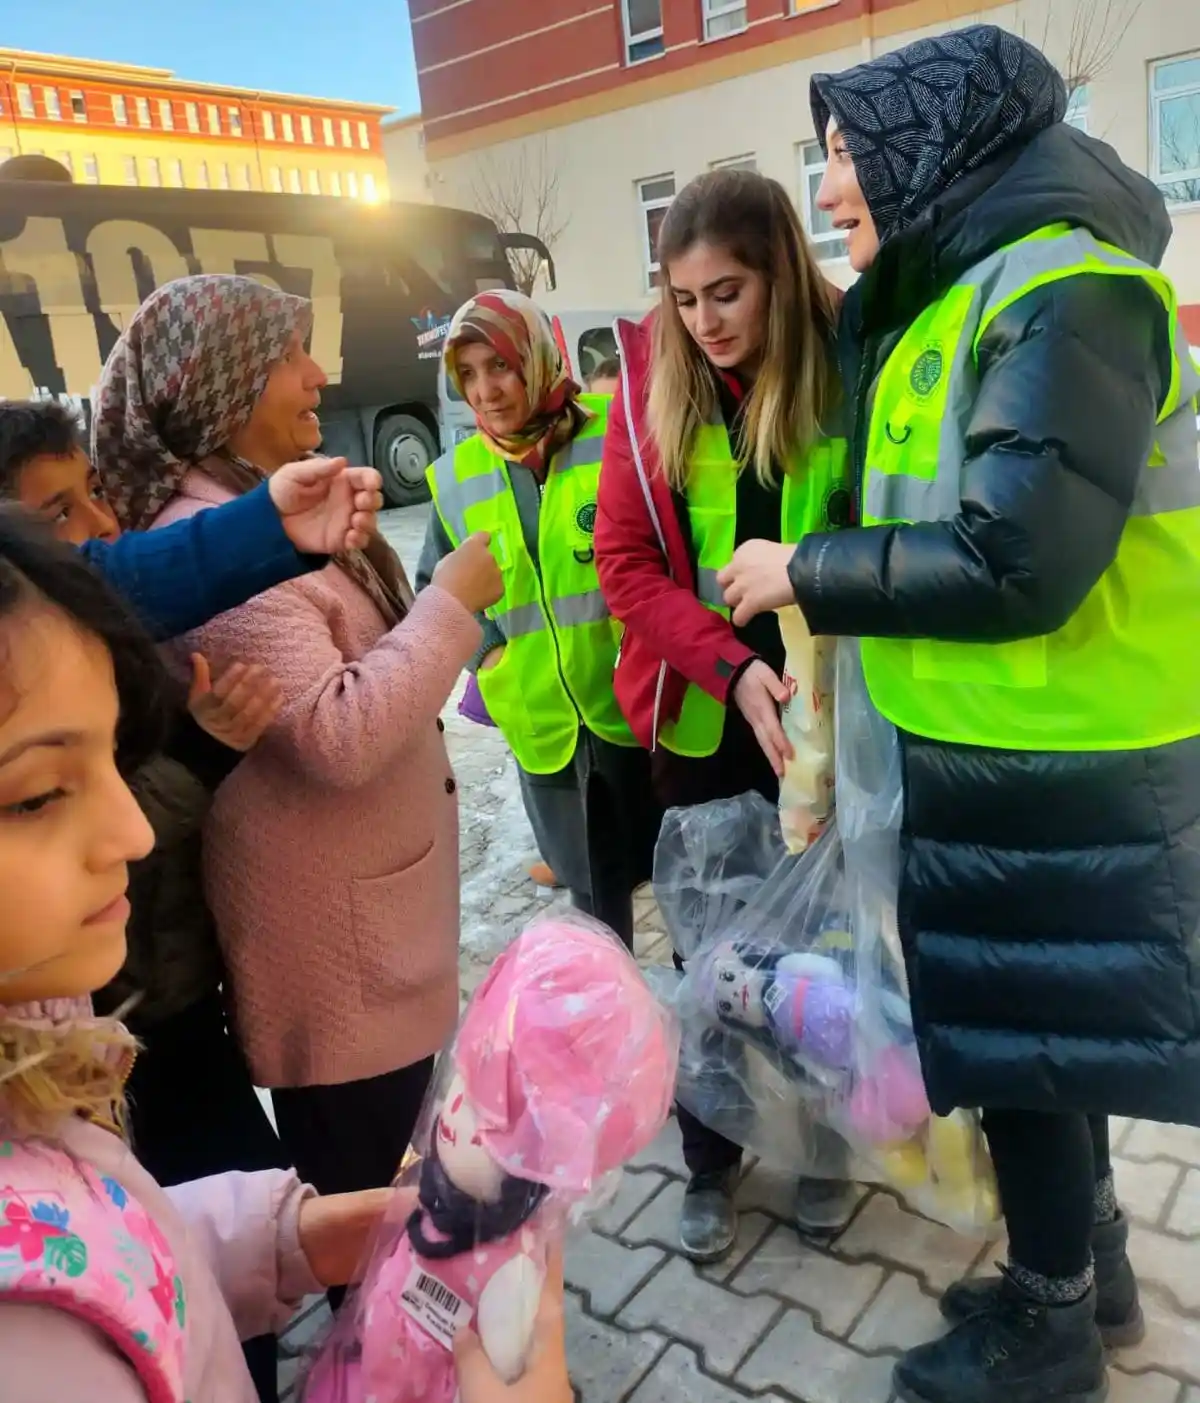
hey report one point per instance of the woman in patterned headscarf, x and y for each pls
(331, 852)
(1025, 588)
(545, 666)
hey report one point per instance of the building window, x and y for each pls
(222, 176)
(6, 153)
(202, 176)
(370, 189)
(352, 184)
(78, 106)
(335, 182)
(347, 139)
(91, 170)
(722, 17)
(120, 110)
(1175, 128)
(166, 114)
(64, 158)
(289, 127)
(294, 185)
(268, 125)
(327, 130)
(175, 174)
(643, 29)
(25, 100)
(192, 113)
(242, 177)
(314, 182)
(153, 171)
(131, 176)
(235, 120)
(364, 136)
(142, 108)
(53, 105)
(735, 163)
(1077, 108)
(306, 130)
(213, 113)
(827, 242)
(275, 180)
(654, 197)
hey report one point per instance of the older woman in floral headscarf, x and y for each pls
(331, 852)
(545, 666)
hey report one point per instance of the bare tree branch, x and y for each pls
(520, 194)
(1097, 31)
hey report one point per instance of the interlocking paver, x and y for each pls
(848, 1312)
(677, 1377)
(835, 1292)
(606, 1364)
(1144, 1189)
(795, 1358)
(680, 1302)
(884, 1229)
(608, 1272)
(902, 1315)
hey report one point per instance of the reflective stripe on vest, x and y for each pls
(560, 640)
(809, 489)
(1120, 673)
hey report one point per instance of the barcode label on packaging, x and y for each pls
(439, 1311)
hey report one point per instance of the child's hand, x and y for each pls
(239, 706)
(337, 1229)
(545, 1380)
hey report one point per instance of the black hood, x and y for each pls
(1060, 176)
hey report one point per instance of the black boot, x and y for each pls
(1019, 1351)
(1118, 1310)
(708, 1224)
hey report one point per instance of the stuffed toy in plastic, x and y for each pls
(562, 1070)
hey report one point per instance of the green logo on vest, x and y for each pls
(585, 518)
(926, 372)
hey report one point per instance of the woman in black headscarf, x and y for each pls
(1025, 588)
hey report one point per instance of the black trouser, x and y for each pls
(193, 1112)
(353, 1135)
(1047, 1168)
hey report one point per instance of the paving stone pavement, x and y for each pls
(780, 1321)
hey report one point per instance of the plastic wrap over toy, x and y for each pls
(562, 1070)
(797, 1029)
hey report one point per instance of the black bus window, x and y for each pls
(596, 345)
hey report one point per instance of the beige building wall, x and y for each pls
(603, 163)
(404, 151)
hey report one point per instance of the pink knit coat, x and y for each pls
(331, 852)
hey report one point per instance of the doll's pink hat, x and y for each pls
(566, 1055)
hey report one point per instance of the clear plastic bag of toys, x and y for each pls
(562, 1070)
(797, 1028)
(806, 790)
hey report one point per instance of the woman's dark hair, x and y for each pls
(36, 569)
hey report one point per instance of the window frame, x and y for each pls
(233, 118)
(654, 37)
(91, 169)
(52, 102)
(191, 117)
(154, 178)
(26, 105)
(287, 126)
(824, 238)
(1191, 90)
(131, 169)
(306, 129)
(748, 161)
(141, 108)
(173, 175)
(166, 114)
(78, 113)
(268, 126)
(651, 267)
(715, 10)
(120, 109)
(213, 114)
(364, 136)
(1079, 109)
(327, 135)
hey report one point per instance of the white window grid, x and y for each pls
(275, 180)
(53, 104)
(1077, 108)
(294, 184)
(364, 136)
(234, 117)
(306, 129)
(153, 172)
(736, 163)
(723, 17)
(1175, 128)
(289, 126)
(352, 184)
(202, 176)
(268, 125)
(828, 244)
(347, 139)
(643, 26)
(223, 182)
(64, 158)
(655, 194)
(25, 100)
(335, 182)
(141, 106)
(78, 106)
(120, 110)
(175, 174)
(213, 112)
(166, 114)
(314, 182)
(91, 170)
(243, 177)
(327, 131)
(191, 112)
(131, 170)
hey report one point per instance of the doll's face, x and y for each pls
(738, 992)
(461, 1150)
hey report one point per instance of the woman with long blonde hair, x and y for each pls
(720, 433)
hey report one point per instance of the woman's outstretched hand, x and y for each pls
(758, 695)
(756, 579)
(545, 1378)
(326, 506)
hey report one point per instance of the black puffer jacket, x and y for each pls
(1050, 903)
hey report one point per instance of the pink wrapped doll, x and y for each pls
(563, 1070)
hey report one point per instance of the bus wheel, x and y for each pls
(404, 448)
